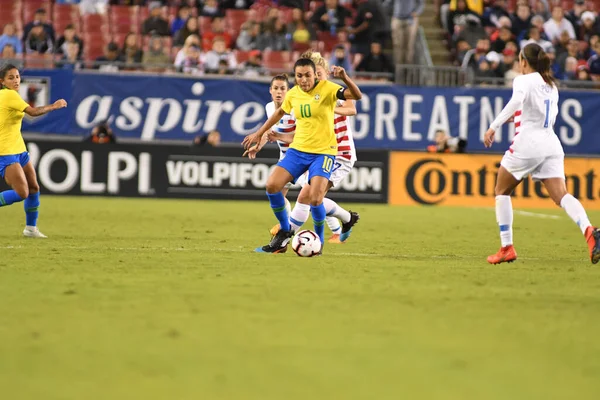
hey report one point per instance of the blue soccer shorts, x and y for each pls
(11, 159)
(297, 163)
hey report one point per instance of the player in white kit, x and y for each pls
(344, 161)
(536, 150)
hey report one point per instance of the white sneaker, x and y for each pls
(33, 232)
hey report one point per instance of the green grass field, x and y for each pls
(164, 299)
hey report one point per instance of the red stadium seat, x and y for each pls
(235, 18)
(39, 61)
(277, 59)
(204, 24)
(241, 56)
(94, 23)
(31, 6)
(328, 41)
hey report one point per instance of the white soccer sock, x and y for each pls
(576, 211)
(334, 210)
(334, 224)
(504, 217)
(299, 215)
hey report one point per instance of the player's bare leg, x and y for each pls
(505, 185)
(558, 193)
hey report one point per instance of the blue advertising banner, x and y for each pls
(389, 116)
(43, 87)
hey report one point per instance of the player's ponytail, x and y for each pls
(539, 61)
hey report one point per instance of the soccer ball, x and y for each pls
(306, 243)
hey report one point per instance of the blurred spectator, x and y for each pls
(131, 53)
(459, 16)
(38, 40)
(213, 139)
(223, 68)
(68, 36)
(594, 61)
(217, 30)
(535, 37)
(211, 8)
(484, 72)
(574, 16)
(521, 21)
(471, 58)
(190, 28)
(155, 23)
(470, 29)
(102, 134)
(71, 58)
(155, 55)
(504, 36)
(301, 32)
(572, 50)
(370, 25)
(588, 27)
(8, 52)
(555, 26)
(109, 62)
(330, 17)
(541, 8)
(341, 58)
(570, 69)
(583, 73)
(40, 17)
(191, 63)
(494, 61)
(93, 7)
(492, 14)
(275, 37)
(192, 40)
(248, 38)
(238, 4)
(445, 143)
(219, 52)
(253, 67)
(375, 61)
(405, 25)
(183, 13)
(511, 74)
(9, 36)
(251, 19)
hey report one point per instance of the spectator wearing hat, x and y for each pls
(504, 36)
(40, 18)
(589, 26)
(555, 26)
(155, 23)
(253, 67)
(494, 59)
(574, 16)
(583, 72)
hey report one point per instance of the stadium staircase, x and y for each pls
(434, 35)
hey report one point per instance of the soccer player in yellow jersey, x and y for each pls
(15, 166)
(314, 147)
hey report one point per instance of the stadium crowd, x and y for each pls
(248, 37)
(487, 35)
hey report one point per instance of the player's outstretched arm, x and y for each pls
(256, 136)
(37, 111)
(347, 109)
(285, 138)
(352, 91)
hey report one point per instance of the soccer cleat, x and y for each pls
(335, 238)
(505, 254)
(592, 236)
(275, 229)
(33, 232)
(278, 244)
(347, 227)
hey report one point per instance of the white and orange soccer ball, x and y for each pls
(306, 244)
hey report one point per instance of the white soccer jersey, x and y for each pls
(286, 125)
(343, 132)
(534, 105)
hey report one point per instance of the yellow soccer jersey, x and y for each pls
(12, 108)
(314, 117)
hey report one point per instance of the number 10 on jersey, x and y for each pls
(305, 111)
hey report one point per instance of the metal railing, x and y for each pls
(422, 75)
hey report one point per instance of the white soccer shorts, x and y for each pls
(540, 168)
(341, 169)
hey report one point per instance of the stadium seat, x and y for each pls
(328, 41)
(39, 61)
(204, 24)
(235, 18)
(241, 56)
(94, 23)
(31, 6)
(277, 59)
(124, 19)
